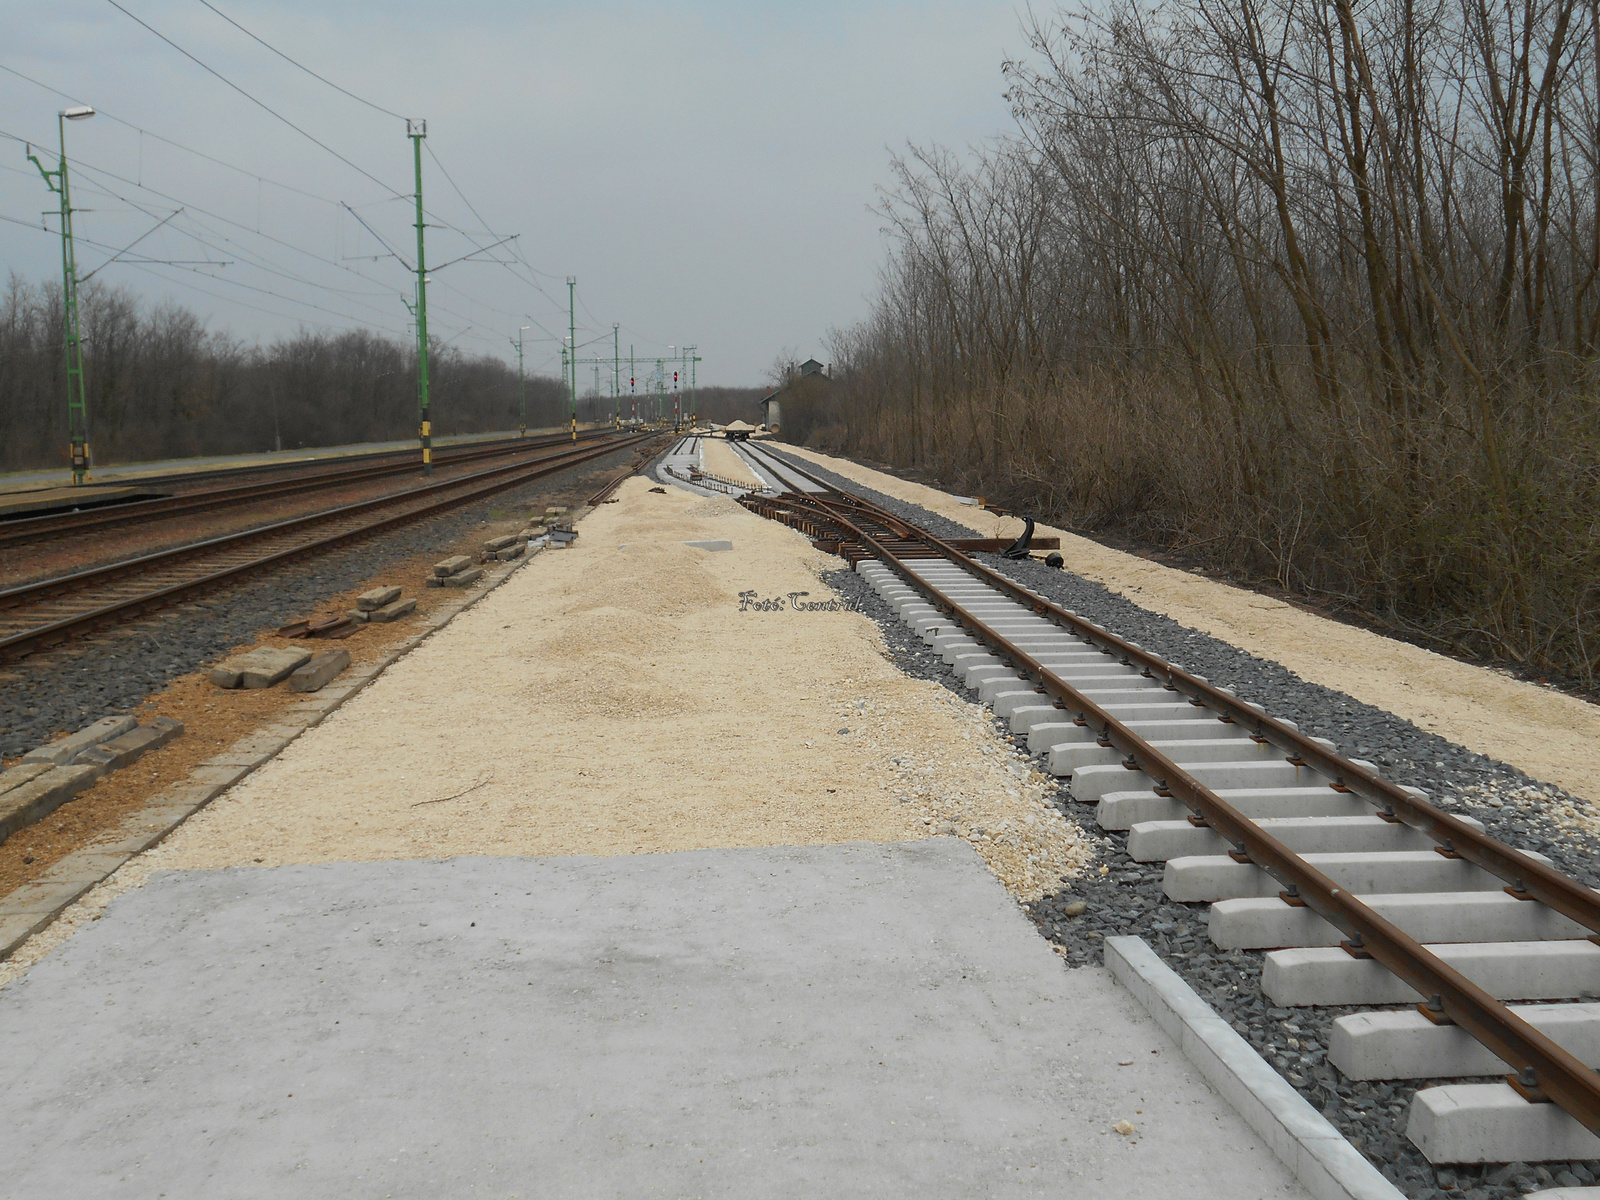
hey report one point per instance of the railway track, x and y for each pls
(407, 454)
(27, 530)
(41, 614)
(1466, 958)
(640, 459)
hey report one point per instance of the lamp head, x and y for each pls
(77, 112)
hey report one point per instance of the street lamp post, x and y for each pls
(77, 409)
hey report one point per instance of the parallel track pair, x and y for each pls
(41, 614)
(24, 530)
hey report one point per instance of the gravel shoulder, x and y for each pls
(158, 665)
(637, 695)
(1544, 733)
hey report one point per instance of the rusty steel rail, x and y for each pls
(23, 530)
(113, 473)
(437, 497)
(640, 458)
(1542, 1070)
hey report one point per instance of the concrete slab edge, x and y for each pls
(69, 879)
(1320, 1157)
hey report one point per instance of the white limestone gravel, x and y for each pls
(614, 699)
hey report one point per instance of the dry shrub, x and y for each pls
(1309, 293)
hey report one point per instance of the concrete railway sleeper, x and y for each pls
(1361, 892)
(42, 614)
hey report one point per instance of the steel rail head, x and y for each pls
(1525, 877)
(1541, 1068)
(1558, 1073)
(20, 643)
(177, 477)
(28, 591)
(22, 530)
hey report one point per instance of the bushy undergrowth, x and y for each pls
(1308, 293)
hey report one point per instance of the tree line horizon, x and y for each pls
(1308, 293)
(159, 384)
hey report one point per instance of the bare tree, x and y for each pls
(1307, 289)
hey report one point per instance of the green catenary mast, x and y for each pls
(77, 410)
(417, 130)
(572, 336)
(522, 387)
(694, 393)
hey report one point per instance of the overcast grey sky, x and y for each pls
(703, 169)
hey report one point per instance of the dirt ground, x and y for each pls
(1549, 735)
(623, 697)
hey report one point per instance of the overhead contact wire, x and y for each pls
(322, 78)
(263, 105)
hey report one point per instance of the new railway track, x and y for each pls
(1465, 958)
(27, 530)
(36, 615)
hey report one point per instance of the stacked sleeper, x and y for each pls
(1516, 949)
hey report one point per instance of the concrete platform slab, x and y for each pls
(752, 1023)
(34, 801)
(63, 750)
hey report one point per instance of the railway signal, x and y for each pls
(656, 381)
